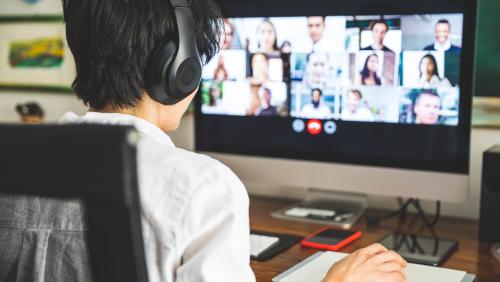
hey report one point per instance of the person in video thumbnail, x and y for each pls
(355, 111)
(213, 104)
(266, 37)
(429, 76)
(316, 109)
(442, 34)
(220, 73)
(368, 75)
(266, 109)
(316, 69)
(227, 36)
(215, 92)
(427, 107)
(315, 28)
(379, 29)
(260, 68)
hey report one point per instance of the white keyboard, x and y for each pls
(260, 243)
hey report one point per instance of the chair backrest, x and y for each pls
(95, 163)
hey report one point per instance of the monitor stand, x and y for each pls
(325, 207)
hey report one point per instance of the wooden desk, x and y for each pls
(472, 256)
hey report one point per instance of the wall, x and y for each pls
(54, 105)
(481, 140)
(488, 44)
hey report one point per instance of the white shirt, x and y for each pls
(361, 114)
(433, 83)
(321, 112)
(194, 209)
(442, 47)
(322, 46)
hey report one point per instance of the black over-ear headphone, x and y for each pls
(175, 67)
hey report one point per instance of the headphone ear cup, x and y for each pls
(157, 80)
(184, 76)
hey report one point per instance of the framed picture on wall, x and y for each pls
(30, 8)
(35, 55)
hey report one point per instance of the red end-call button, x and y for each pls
(314, 126)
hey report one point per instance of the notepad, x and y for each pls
(314, 268)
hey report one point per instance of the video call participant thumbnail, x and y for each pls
(267, 37)
(220, 73)
(266, 109)
(429, 76)
(316, 109)
(229, 38)
(442, 32)
(260, 68)
(316, 71)
(379, 29)
(316, 28)
(355, 111)
(368, 75)
(427, 107)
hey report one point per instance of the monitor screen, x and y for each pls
(380, 89)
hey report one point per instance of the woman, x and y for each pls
(266, 37)
(214, 97)
(260, 68)
(220, 73)
(212, 103)
(369, 73)
(429, 76)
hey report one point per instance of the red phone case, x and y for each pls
(356, 235)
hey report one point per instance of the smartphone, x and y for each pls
(330, 239)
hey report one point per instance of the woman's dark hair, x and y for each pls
(275, 44)
(111, 41)
(434, 62)
(365, 73)
(220, 67)
(285, 43)
(212, 101)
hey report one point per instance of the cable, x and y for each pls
(403, 211)
(375, 220)
(424, 218)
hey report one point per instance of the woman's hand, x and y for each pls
(373, 263)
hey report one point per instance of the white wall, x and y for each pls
(54, 105)
(57, 104)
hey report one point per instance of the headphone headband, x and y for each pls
(175, 70)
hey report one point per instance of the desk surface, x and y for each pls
(472, 256)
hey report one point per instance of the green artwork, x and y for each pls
(488, 49)
(47, 52)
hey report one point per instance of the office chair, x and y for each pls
(94, 163)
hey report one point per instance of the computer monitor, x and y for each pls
(368, 96)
